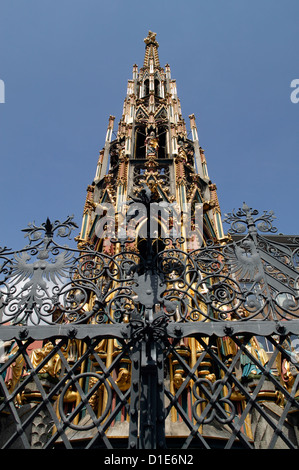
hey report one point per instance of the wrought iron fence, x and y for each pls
(192, 349)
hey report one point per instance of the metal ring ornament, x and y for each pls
(95, 421)
(207, 387)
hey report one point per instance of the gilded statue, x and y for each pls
(152, 144)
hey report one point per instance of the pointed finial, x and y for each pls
(151, 50)
(151, 39)
(243, 218)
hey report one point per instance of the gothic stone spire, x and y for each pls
(152, 146)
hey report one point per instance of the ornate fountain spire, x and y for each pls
(152, 146)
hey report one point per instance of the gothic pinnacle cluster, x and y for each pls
(152, 147)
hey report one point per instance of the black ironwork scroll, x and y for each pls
(243, 279)
(201, 344)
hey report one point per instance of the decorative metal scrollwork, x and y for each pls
(149, 330)
(244, 218)
(215, 396)
(248, 278)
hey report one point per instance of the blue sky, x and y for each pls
(65, 65)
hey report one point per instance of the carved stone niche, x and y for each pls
(37, 432)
